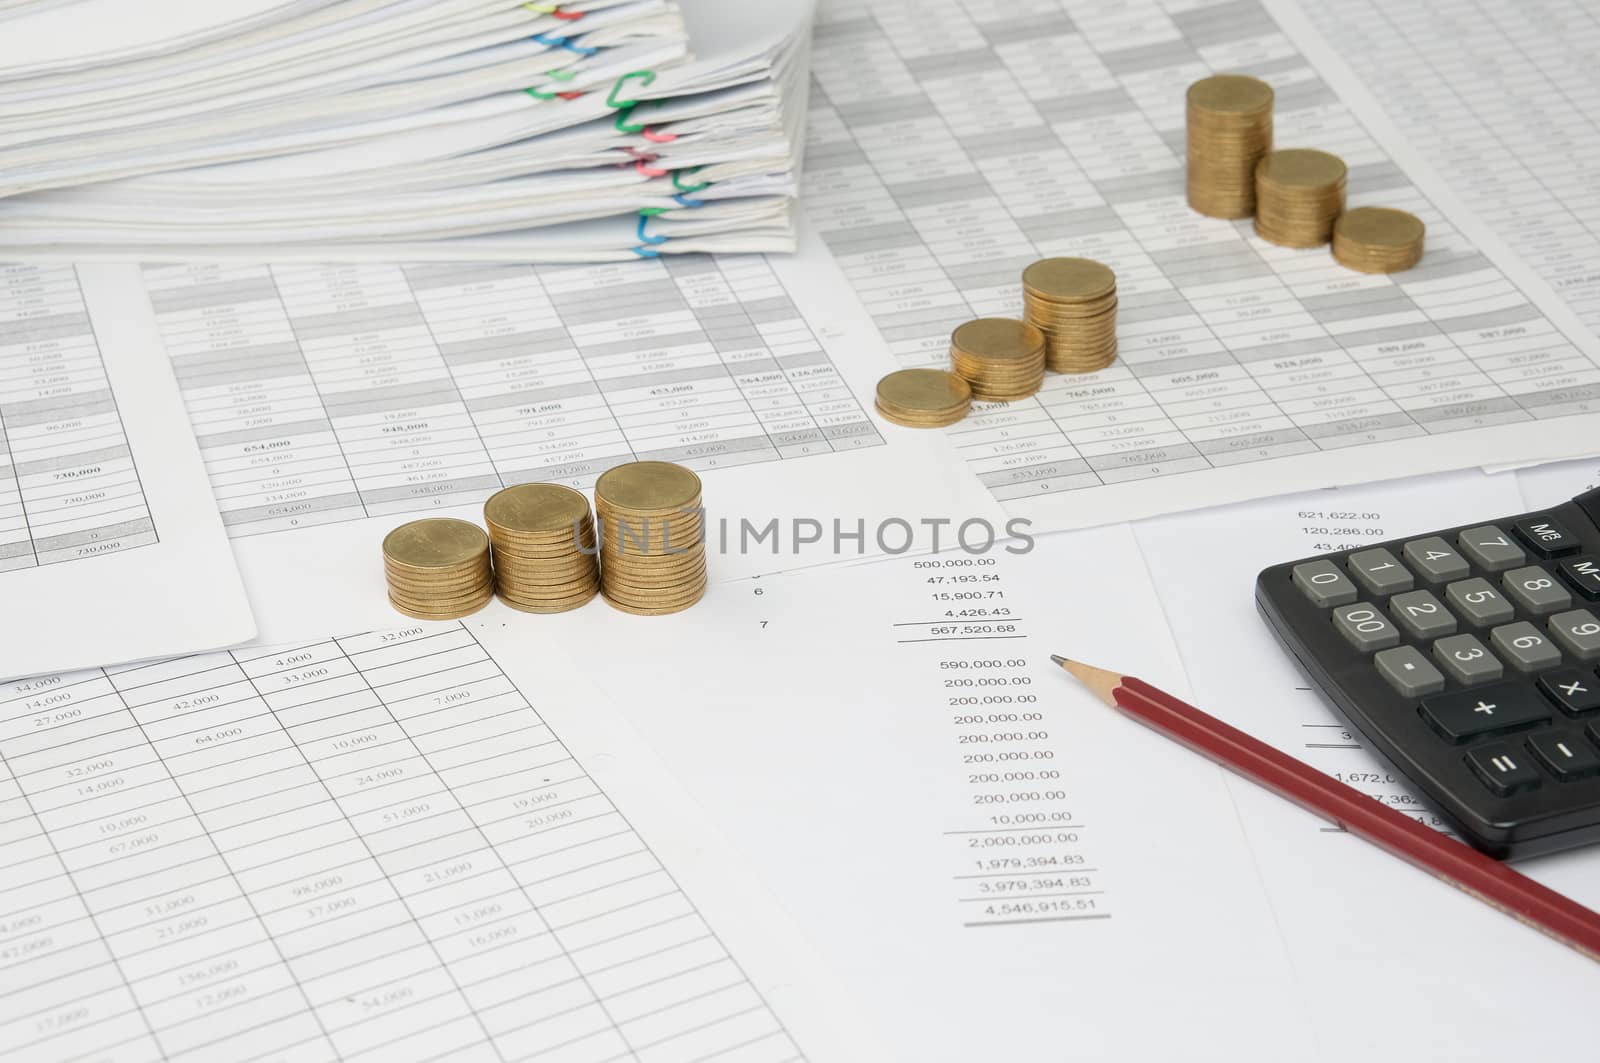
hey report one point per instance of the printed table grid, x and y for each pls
(934, 188)
(330, 393)
(369, 847)
(69, 484)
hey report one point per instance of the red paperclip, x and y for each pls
(649, 171)
(657, 138)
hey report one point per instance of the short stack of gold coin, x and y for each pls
(1299, 193)
(1073, 301)
(1229, 129)
(1000, 358)
(652, 551)
(923, 398)
(545, 560)
(1378, 239)
(438, 568)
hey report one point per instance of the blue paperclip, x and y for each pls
(643, 237)
(563, 42)
(645, 252)
(684, 201)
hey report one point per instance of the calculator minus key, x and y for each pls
(1410, 673)
(1463, 714)
(1466, 660)
(1577, 632)
(1546, 536)
(1379, 572)
(1535, 590)
(1567, 756)
(1324, 583)
(1490, 548)
(1364, 627)
(1436, 559)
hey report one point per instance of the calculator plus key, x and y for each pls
(1466, 660)
(1525, 647)
(1323, 583)
(1364, 627)
(1379, 572)
(1463, 714)
(1574, 690)
(1546, 536)
(1436, 559)
(1489, 547)
(1535, 590)
(1422, 615)
(1583, 573)
(1577, 632)
(1480, 603)
(1567, 756)
(1503, 769)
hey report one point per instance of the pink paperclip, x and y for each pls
(650, 171)
(657, 138)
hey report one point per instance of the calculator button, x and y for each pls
(1545, 536)
(1436, 559)
(1323, 583)
(1577, 632)
(1422, 615)
(1489, 547)
(1575, 690)
(1567, 756)
(1410, 673)
(1379, 572)
(1583, 573)
(1479, 602)
(1503, 769)
(1463, 714)
(1364, 627)
(1535, 590)
(1525, 647)
(1466, 660)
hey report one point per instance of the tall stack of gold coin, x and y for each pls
(1229, 129)
(438, 568)
(923, 398)
(1001, 359)
(652, 551)
(1073, 301)
(545, 559)
(1378, 239)
(1299, 193)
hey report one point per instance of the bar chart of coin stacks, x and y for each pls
(543, 532)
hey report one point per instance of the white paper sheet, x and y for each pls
(422, 844)
(111, 548)
(334, 403)
(951, 144)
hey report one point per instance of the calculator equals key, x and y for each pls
(1468, 658)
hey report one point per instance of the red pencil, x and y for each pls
(1465, 868)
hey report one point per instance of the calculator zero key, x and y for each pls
(1469, 658)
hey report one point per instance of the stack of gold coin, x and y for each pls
(545, 559)
(1229, 129)
(1299, 193)
(653, 553)
(923, 398)
(1378, 239)
(1073, 301)
(1001, 359)
(438, 569)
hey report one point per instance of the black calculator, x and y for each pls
(1468, 658)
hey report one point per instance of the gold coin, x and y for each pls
(436, 575)
(652, 605)
(646, 582)
(1069, 279)
(921, 398)
(648, 487)
(441, 601)
(535, 606)
(1304, 168)
(434, 543)
(441, 614)
(1378, 239)
(550, 509)
(427, 592)
(1231, 94)
(999, 339)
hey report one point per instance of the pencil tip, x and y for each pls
(1056, 657)
(1098, 680)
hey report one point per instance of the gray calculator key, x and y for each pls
(1410, 673)
(1466, 660)
(1479, 602)
(1536, 590)
(1525, 646)
(1364, 627)
(1436, 559)
(1324, 583)
(1490, 548)
(1577, 632)
(1422, 615)
(1379, 572)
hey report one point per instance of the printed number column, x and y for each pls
(71, 459)
(62, 994)
(537, 406)
(271, 453)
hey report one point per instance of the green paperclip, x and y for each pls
(550, 94)
(650, 212)
(677, 181)
(626, 107)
